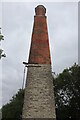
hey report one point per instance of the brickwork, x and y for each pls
(39, 51)
(39, 101)
(40, 10)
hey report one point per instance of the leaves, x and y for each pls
(1, 36)
(1, 51)
(13, 109)
(67, 93)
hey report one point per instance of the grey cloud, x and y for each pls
(17, 28)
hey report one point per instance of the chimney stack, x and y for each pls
(39, 93)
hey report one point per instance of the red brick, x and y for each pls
(39, 51)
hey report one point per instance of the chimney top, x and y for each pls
(40, 10)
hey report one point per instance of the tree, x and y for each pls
(13, 109)
(1, 51)
(1, 36)
(67, 94)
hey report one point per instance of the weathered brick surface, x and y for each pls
(39, 100)
(40, 10)
(39, 51)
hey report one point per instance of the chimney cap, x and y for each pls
(40, 10)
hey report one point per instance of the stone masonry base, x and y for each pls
(39, 97)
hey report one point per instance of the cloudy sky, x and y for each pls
(17, 24)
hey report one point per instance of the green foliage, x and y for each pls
(0, 114)
(1, 37)
(14, 108)
(67, 94)
(1, 51)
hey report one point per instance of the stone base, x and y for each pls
(39, 98)
(39, 119)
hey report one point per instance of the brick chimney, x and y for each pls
(39, 52)
(39, 93)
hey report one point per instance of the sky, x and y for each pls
(17, 24)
